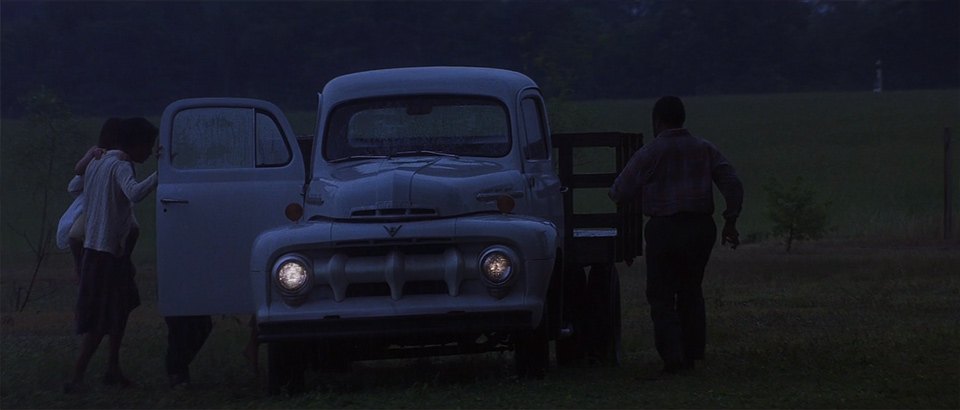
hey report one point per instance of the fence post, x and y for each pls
(947, 187)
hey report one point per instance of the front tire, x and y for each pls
(285, 367)
(532, 350)
(569, 349)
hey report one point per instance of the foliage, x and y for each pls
(795, 212)
(155, 52)
(51, 120)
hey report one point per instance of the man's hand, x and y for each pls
(612, 194)
(730, 234)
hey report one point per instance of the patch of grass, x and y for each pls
(833, 324)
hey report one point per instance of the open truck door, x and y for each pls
(228, 171)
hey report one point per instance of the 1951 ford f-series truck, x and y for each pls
(432, 213)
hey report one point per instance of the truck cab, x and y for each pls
(430, 220)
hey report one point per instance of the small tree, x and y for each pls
(795, 212)
(53, 124)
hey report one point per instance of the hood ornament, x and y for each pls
(392, 230)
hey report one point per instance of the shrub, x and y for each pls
(795, 212)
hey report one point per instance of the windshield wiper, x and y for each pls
(356, 157)
(422, 153)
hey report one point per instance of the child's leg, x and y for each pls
(129, 243)
(75, 240)
(76, 248)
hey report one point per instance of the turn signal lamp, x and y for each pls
(294, 212)
(505, 204)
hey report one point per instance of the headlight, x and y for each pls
(497, 264)
(292, 275)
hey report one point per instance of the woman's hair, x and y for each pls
(137, 132)
(110, 134)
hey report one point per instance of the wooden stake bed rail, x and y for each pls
(597, 238)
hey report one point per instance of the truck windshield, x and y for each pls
(433, 125)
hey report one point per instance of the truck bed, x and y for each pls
(597, 238)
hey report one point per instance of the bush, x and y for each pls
(795, 212)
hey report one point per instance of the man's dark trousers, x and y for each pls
(185, 337)
(678, 248)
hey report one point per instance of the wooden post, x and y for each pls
(948, 183)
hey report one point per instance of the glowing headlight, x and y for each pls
(292, 275)
(496, 265)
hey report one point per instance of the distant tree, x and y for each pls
(155, 52)
(795, 212)
(53, 124)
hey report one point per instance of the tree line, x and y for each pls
(126, 58)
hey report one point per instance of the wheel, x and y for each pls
(570, 349)
(603, 302)
(532, 350)
(285, 367)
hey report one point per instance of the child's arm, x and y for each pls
(92, 153)
(75, 186)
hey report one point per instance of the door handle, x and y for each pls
(167, 201)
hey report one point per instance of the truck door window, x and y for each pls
(272, 148)
(226, 138)
(533, 125)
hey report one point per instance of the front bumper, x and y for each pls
(396, 326)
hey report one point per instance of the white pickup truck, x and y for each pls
(432, 219)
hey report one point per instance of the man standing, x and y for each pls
(674, 174)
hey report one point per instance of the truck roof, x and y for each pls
(493, 82)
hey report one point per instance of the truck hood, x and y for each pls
(411, 188)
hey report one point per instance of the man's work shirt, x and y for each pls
(110, 190)
(675, 173)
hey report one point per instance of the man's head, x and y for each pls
(668, 113)
(137, 137)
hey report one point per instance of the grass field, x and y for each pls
(867, 318)
(877, 157)
(835, 325)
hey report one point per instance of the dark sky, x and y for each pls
(128, 58)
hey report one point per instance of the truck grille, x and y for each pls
(394, 271)
(382, 289)
(388, 213)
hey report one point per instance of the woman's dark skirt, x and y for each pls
(108, 293)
